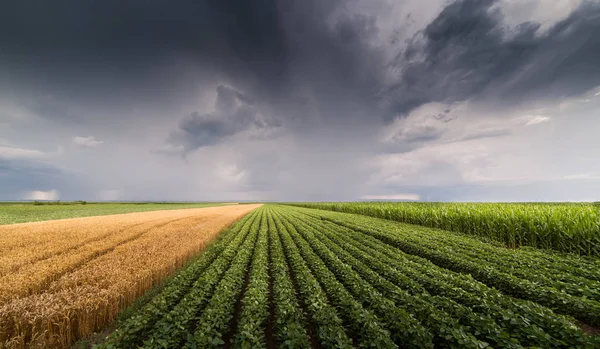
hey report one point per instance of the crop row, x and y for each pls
(529, 278)
(290, 319)
(457, 310)
(573, 228)
(300, 278)
(224, 299)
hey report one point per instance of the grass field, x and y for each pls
(15, 212)
(62, 280)
(296, 277)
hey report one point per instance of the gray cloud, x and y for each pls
(122, 52)
(18, 176)
(303, 87)
(289, 53)
(468, 52)
(411, 138)
(489, 133)
(234, 113)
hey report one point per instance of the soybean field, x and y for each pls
(295, 277)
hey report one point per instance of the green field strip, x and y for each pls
(27, 212)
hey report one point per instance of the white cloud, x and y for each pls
(537, 120)
(10, 153)
(41, 195)
(544, 12)
(87, 142)
(406, 196)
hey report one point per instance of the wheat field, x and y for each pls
(63, 280)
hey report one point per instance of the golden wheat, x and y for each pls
(101, 268)
(29, 242)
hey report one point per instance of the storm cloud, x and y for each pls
(294, 99)
(469, 52)
(234, 113)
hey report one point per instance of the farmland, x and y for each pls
(565, 227)
(286, 276)
(62, 280)
(21, 212)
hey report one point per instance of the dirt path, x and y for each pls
(62, 280)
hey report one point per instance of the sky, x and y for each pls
(300, 100)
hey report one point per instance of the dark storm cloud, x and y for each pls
(299, 58)
(116, 53)
(107, 51)
(121, 31)
(468, 52)
(234, 113)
